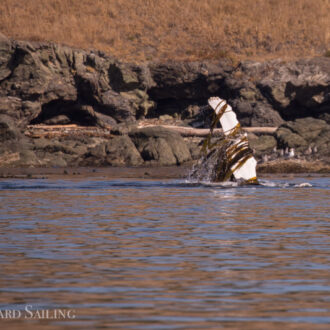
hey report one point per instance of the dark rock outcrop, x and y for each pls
(41, 81)
(298, 89)
(303, 133)
(44, 83)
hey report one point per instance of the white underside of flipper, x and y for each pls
(247, 171)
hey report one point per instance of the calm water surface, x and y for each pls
(153, 254)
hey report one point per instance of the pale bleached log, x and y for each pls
(49, 127)
(260, 130)
(50, 131)
(36, 130)
(203, 132)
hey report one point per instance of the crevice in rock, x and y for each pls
(195, 113)
(169, 106)
(65, 112)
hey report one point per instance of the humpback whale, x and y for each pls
(230, 157)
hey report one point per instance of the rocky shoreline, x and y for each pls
(62, 107)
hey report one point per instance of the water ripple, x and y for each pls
(167, 254)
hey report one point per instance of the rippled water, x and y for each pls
(147, 254)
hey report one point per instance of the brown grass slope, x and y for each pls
(141, 30)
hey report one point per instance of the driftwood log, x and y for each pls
(203, 132)
(49, 131)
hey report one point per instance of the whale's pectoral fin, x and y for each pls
(239, 156)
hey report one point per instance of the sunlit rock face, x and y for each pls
(50, 84)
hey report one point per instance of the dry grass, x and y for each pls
(172, 29)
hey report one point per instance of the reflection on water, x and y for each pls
(162, 255)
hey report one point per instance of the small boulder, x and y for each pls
(309, 128)
(303, 132)
(157, 151)
(264, 115)
(286, 138)
(263, 144)
(121, 151)
(160, 146)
